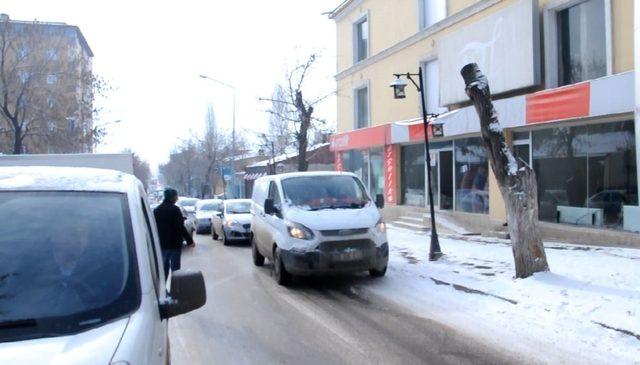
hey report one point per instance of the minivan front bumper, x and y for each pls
(337, 257)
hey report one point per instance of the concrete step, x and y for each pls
(497, 234)
(411, 226)
(411, 219)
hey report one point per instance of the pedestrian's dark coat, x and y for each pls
(171, 226)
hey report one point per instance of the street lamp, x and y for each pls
(233, 130)
(398, 86)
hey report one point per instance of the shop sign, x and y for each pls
(338, 161)
(390, 174)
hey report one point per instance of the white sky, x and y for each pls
(152, 52)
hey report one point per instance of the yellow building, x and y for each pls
(561, 73)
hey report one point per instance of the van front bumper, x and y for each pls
(337, 257)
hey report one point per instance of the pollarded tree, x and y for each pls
(517, 183)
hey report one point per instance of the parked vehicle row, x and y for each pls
(233, 222)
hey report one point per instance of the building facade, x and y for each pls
(48, 79)
(561, 75)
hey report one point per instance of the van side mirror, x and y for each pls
(269, 208)
(380, 201)
(187, 293)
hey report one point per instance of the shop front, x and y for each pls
(581, 147)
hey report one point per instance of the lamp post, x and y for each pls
(398, 86)
(233, 130)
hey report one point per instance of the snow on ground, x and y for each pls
(555, 317)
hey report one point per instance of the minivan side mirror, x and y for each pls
(380, 201)
(187, 293)
(269, 208)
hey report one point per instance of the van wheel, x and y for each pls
(258, 259)
(282, 276)
(378, 273)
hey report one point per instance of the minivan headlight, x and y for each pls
(381, 226)
(297, 230)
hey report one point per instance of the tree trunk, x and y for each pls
(517, 185)
(17, 141)
(302, 144)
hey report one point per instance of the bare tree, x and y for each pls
(45, 86)
(141, 170)
(293, 107)
(517, 183)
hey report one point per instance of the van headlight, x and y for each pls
(297, 230)
(381, 226)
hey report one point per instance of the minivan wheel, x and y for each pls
(282, 276)
(378, 273)
(258, 259)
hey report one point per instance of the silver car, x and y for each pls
(234, 222)
(81, 273)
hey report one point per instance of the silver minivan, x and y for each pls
(81, 279)
(317, 223)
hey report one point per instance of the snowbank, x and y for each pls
(586, 310)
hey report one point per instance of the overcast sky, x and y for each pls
(152, 52)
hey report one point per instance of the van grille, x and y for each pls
(344, 232)
(246, 225)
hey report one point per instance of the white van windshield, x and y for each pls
(324, 192)
(66, 262)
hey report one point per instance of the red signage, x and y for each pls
(390, 174)
(359, 138)
(338, 161)
(416, 132)
(562, 103)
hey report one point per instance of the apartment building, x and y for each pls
(561, 74)
(48, 79)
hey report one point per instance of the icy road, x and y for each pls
(249, 319)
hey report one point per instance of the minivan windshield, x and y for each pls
(238, 207)
(324, 192)
(66, 262)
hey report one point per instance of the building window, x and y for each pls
(52, 55)
(431, 12)
(52, 79)
(24, 76)
(582, 42)
(578, 39)
(431, 80)
(361, 39)
(361, 107)
(369, 166)
(472, 171)
(586, 174)
(413, 175)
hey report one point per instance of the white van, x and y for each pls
(317, 223)
(81, 279)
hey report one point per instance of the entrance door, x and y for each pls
(445, 174)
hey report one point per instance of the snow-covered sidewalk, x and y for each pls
(586, 310)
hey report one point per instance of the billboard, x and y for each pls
(505, 45)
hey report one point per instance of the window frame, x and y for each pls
(356, 105)
(355, 40)
(552, 47)
(422, 18)
(422, 64)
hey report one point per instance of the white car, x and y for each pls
(205, 209)
(316, 223)
(81, 272)
(189, 204)
(234, 222)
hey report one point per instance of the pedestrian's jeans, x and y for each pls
(171, 260)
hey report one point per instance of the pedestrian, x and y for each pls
(171, 231)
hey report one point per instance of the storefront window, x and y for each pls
(472, 185)
(413, 178)
(376, 185)
(357, 161)
(585, 167)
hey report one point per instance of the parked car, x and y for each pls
(189, 221)
(317, 223)
(82, 279)
(189, 204)
(234, 222)
(611, 202)
(205, 209)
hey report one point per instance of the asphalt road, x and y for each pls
(249, 319)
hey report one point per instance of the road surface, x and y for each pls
(249, 319)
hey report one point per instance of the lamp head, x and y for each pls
(398, 86)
